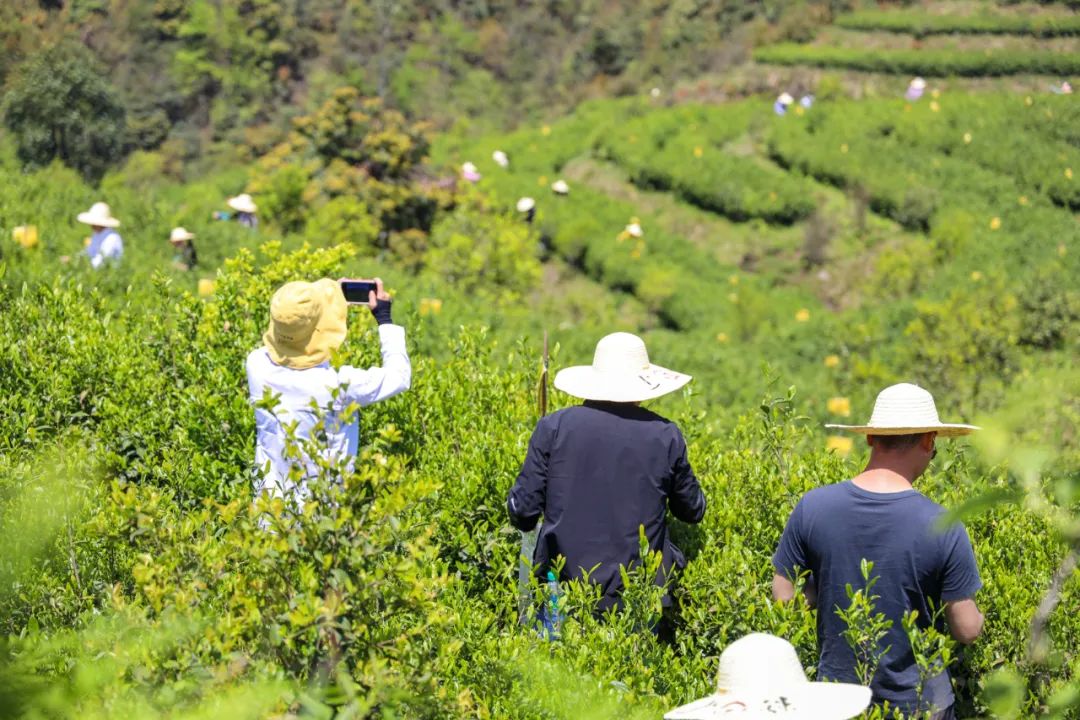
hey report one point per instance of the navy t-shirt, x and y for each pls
(918, 566)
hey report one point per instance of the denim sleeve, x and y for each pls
(791, 556)
(960, 575)
(685, 497)
(525, 503)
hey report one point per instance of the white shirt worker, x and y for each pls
(311, 389)
(105, 244)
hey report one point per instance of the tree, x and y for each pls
(61, 106)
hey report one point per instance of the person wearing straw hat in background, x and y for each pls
(470, 173)
(527, 206)
(308, 322)
(245, 209)
(760, 676)
(879, 516)
(783, 102)
(915, 89)
(183, 242)
(105, 245)
(597, 472)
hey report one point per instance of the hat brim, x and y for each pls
(811, 701)
(587, 383)
(328, 335)
(944, 429)
(241, 207)
(96, 221)
(182, 238)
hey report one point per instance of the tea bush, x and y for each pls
(929, 62)
(683, 157)
(923, 24)
(145, 579)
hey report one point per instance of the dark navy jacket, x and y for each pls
(597, 472)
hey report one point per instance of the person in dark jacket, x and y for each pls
(597, 472)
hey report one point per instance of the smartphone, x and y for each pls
(357, 291)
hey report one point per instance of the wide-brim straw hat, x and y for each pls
(560, 187)
(906, 409)
(760, 676)
(500, 158)
(179, 234)
(785, 99)
(242, 203)
(308, 321)
(99, 215)
(525, 204)
(620, 372)
(918, 83)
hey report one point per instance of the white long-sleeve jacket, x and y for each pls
(298, 389)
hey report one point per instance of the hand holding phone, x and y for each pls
(370, 293)
(359, 292)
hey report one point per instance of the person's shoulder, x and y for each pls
(257, 358)
(831, 494)
(656, 417)
(560, 416)
(925, 507)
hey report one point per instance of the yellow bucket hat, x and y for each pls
(307, 323)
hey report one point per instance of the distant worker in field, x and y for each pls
(105, 245)
(559, 187)
(915, 89)
(527, 206)
(307, 324)
(184, 244)
(597, 472)
(470, 173)
(783, 102)
(632, 230)
(879, 516)
(245, 209)
(500, 159)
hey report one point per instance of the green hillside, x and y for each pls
(794, 264)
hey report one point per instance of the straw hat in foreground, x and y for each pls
(761, 677)
(620, 372)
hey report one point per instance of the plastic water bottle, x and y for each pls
(552, 616)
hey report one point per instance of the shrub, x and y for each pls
(60, 106)
(937, 63)
(923, 24)
(490, 255)
(343, 220)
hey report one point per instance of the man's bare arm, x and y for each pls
(965, 620)
(784, 590)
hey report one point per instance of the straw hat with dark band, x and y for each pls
(760, 676)
(620, 372)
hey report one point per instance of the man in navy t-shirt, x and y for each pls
(878, 516)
